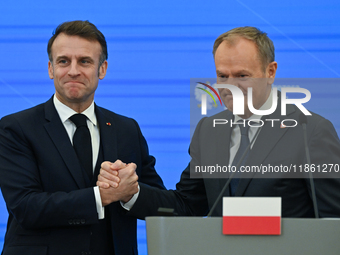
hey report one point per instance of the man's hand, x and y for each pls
(108, 175)
(117, 182)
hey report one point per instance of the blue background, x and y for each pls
(155, 47)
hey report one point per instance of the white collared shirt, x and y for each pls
(235, 139)
(66, 112)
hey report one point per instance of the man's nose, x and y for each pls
(74, 69)
(232, 81)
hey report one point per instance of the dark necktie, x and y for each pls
(82, 143)
(243, 146)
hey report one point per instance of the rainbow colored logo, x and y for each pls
(208, 92)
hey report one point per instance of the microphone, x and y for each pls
(233, 174)
(303, 122)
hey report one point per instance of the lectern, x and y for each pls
(203, 236)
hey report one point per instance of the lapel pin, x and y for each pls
(108, 123)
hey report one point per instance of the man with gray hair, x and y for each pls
(244, 57)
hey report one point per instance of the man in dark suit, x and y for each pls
(53, 203)
(244, 57)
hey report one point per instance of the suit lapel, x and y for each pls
(108, 135)
(61, 140)
(224, 138)
(268, 137)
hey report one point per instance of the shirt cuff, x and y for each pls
(100, 208)
(127, 206)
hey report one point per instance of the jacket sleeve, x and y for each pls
(189, 198)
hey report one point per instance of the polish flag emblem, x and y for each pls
(252, 215)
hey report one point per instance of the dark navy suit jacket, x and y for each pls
(51, 210)
(274, 146)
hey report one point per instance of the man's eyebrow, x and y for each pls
(220, 73)
(242, 71)
(62, 57)
(79, 58)
(86, 58)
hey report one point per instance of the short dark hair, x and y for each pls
(84, 29)
(265, 46)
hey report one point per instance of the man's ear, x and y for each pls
(271, 71)
(50, 70)
(102, 70)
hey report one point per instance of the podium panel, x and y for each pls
(203, 236)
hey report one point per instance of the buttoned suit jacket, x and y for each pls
(51, 209)
(276, 146)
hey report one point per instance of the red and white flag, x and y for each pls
(252, 215)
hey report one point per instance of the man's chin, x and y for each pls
(75, 96)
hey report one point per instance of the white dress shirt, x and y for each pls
(235, 139)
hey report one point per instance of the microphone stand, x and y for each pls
(232, 175)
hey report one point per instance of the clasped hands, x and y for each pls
(117, 182)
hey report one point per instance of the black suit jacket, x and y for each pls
(51, 210)
(274, 146)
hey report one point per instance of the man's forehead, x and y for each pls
(74, 45)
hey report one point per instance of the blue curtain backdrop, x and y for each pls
(155, 47)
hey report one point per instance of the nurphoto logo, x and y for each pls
(238, 99)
